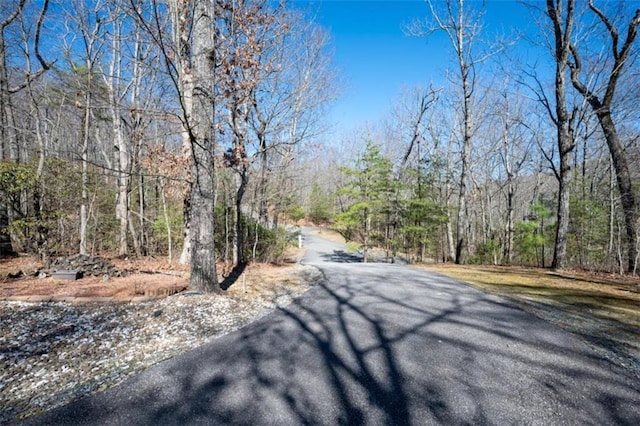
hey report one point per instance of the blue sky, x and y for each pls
(375, 58)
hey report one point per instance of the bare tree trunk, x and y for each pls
(124, 180)
(7, 124)
(462, 26)
(602, 107)
(450, 241)
(167, 221)
(262, 190)
(462, 222)
(185, 254)
(510, 184)
(203, 257)
(562, 22)
(239, 257)
(562, 229)
(612, 206)
(180, 17)
(6, 137)
(7, 134)
(510, 223)
(84, 216)
(625, 186)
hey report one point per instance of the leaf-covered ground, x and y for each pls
(51, 353)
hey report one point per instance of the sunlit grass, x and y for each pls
(608, 297)
(330, 235)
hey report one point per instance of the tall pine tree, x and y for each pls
(371, 190)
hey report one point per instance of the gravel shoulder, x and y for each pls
(53, 353)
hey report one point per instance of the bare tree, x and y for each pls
(189, 57)
(41, 231)
(203, 56)
(86, 35)
(177, 56)
(462, 25)
(412, 125)
(113, 78)
(129, 50)
(247, 29)
(287, 106)
(601, 99)
(562, 22)
(514, 154)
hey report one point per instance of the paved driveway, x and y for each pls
(377, 344)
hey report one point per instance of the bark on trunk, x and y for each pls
(625, 186)
(122, 207)
(203, 257)
(5, 139)
(510, 223)
(562, 229)
(601, 105)
(565, 141)
(463, 220)
(84, 214)
(239, 258)
(180, 15)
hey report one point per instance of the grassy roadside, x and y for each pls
(604, 310)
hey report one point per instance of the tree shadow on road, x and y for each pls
(397, 349)
(341, 256)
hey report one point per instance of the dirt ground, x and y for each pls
(148, 276)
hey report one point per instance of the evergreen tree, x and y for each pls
(320, 206)
(371, 190)
(422, 214)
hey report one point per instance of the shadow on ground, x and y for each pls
(341, 256)
(385, 348)
(233, 276)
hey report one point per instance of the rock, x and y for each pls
(15, 274)
(85, 265)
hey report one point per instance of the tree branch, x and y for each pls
(13, 16)
(612, 30)
(45, 66)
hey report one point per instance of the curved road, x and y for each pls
(376, 344)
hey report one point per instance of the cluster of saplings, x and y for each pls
(47, 225)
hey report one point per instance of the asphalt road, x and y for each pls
(377, 344)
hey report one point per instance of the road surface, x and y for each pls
(376, 344)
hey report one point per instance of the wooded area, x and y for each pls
(194, 130)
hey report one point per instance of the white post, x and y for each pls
(299, 241)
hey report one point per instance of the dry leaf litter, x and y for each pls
(52, 353)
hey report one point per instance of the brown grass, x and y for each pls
(330, 235)
(147, 276)
(606, 296)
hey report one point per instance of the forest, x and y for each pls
(196, 130)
